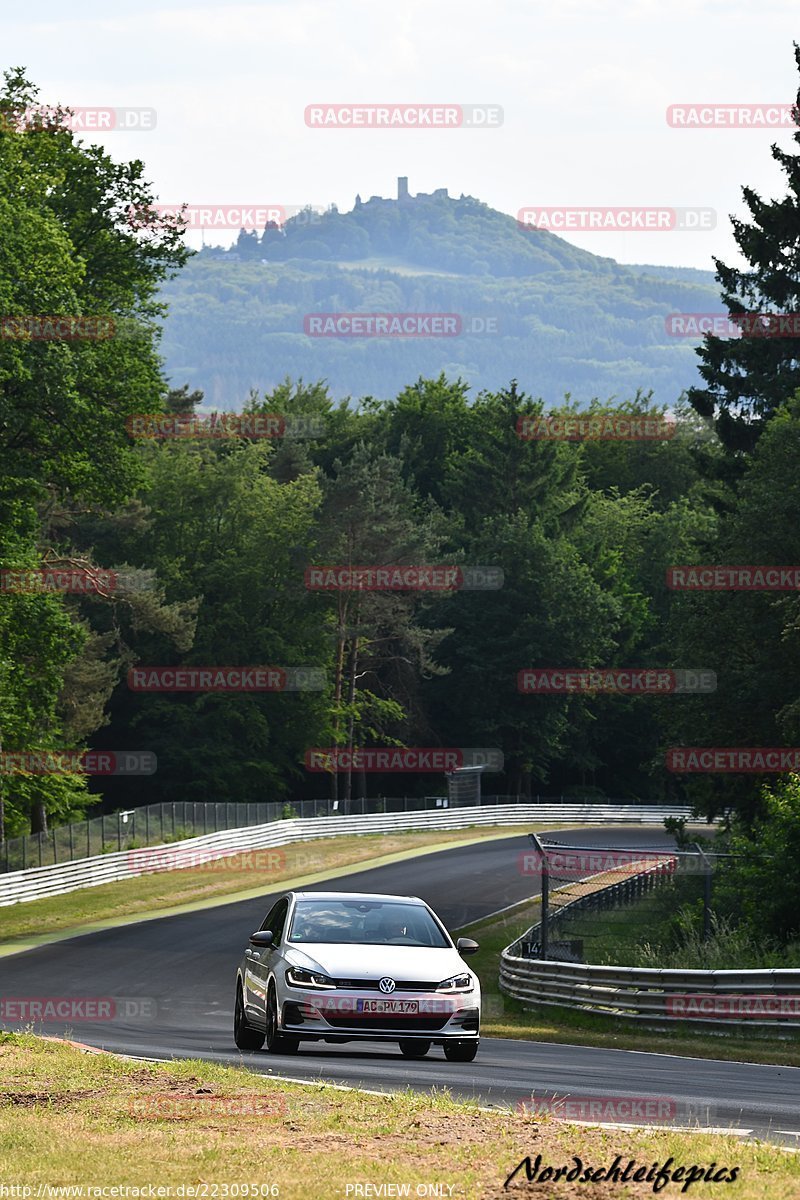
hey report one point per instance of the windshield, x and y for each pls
(365, 922)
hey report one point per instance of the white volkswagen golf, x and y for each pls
(346, 966)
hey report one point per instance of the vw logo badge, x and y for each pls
(387, 985)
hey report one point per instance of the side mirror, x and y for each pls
(262, 938)
(467, 946)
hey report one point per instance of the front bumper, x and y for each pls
(317, 1014)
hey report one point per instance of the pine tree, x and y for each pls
(749, 377)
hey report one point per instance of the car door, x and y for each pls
(259, 964)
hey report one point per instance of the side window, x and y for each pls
(276, 919)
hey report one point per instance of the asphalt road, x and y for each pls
(173, 979)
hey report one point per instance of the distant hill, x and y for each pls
(531, 307)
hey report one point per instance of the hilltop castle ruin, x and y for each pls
(404, 196)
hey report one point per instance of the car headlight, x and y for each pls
(456, 983)
(298, 977)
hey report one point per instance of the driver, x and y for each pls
(394, 928)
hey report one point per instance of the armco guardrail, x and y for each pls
(19, 886)
(761, 999)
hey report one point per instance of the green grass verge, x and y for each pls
(72, 1118)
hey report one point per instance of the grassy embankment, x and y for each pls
(68, 1117)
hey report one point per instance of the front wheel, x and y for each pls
(277, 1042)
(414, 1047)
(461, 1051)
(244, 1037)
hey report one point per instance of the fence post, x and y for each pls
(71, 847)
(55, 851)
(534, 840)
(147, 824)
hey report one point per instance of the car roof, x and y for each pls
(355, 896)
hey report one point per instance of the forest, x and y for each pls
(198, 542)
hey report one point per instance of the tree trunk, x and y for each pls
(38, 817)
(351, 697)
(341, 622)
(2, 799)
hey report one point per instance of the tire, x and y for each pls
(275, 1041)
(414, 1047)
(461, 1050)
(244, 1037)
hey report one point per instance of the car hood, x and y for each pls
(419, 963)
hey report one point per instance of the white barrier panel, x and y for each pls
(18, 886)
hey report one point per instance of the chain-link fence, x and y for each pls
(155, 824)
(604, 905)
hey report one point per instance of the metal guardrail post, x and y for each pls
(534, 840)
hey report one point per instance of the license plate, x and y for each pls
(398, 1007)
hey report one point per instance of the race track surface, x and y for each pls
(174, 977)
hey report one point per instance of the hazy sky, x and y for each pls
(584, 86)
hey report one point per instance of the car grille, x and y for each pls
(401, 985)
(410, 1024)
